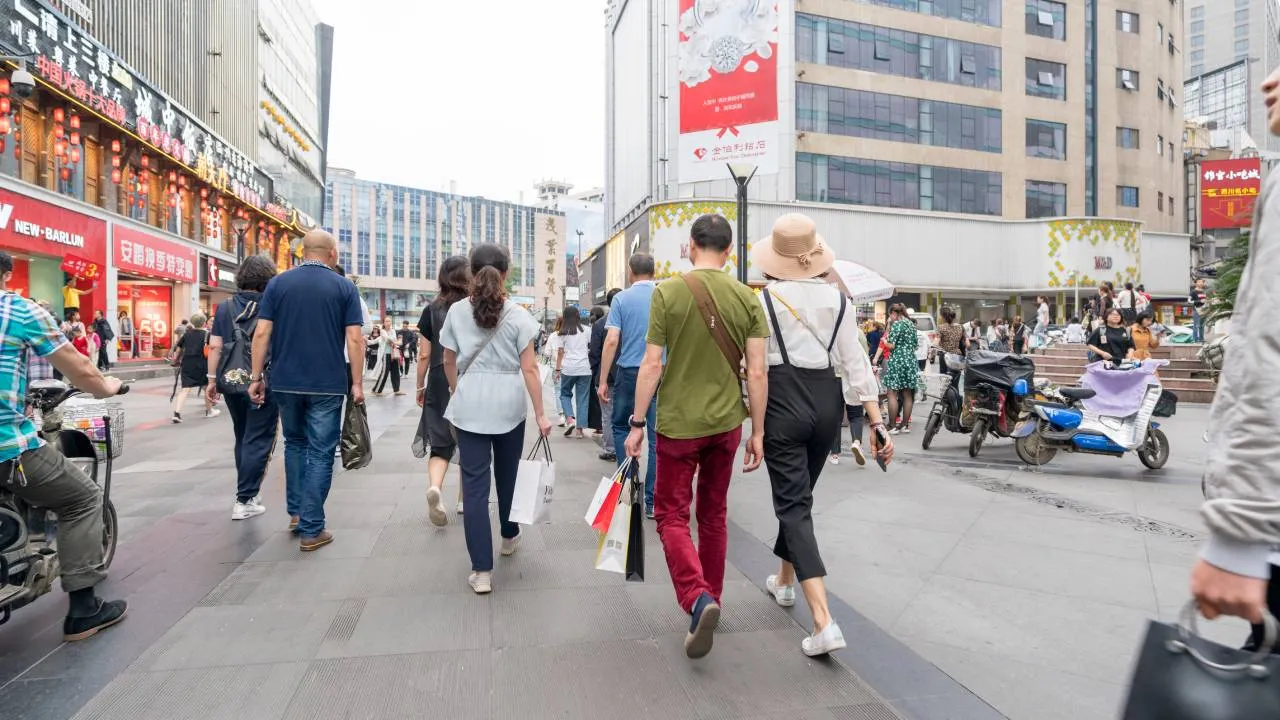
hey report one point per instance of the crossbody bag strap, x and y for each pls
(707, 308)
(777, 331)
(483, 346)
(839, 319)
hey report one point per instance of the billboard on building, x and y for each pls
(728, 73)
(1228, 191)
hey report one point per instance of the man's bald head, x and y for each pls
(321, 246)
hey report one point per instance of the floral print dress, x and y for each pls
(902, 370)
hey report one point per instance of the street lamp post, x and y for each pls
(1075, 282)
(577, 266)
(742, 174)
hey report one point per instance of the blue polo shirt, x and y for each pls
(630, 314)
(310, 308)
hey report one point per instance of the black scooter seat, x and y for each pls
(1078, 393)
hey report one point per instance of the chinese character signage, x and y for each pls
(80, 67)
(33, 226)
(728, 74)
(149, 255)
(79, 267)
(1228, 191)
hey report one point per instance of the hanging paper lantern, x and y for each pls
(4, 105)
(4, 125)
(4, 86)
(115, 161)
(75, 122)
(173, 176)
(58, 115)
(204, 192)
(75, 156)
(58, 131)
(173, 188)
(75, 137)
(59, 148)
(144, 160)
(65, 174)
(173, 201)
(115, 176)
(115, 146)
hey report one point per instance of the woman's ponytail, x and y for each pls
(488, 292)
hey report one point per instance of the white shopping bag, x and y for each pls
(535, 486)
(609, 486)
(550, 393)
(612, 555)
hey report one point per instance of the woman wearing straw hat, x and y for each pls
(814, 334)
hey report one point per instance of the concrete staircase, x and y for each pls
(1184, 375)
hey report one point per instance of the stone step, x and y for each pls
(1176, 352)
(1061, 366)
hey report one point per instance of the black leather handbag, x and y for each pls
(1181, 676)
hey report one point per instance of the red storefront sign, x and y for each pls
(1228, 191)
(33, 226)
(150, 255)
(81, 268)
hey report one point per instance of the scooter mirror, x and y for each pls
(1020, 388)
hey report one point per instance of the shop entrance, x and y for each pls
(148, 305)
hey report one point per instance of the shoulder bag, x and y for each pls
(462, 369)
(710, 314)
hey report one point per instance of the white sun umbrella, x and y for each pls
(861, 283)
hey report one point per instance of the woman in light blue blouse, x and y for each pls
(491, 366)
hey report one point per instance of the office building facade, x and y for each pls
(392, 239)
(1223, 33)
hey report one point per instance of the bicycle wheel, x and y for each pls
(110, 533)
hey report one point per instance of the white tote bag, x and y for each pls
(535, 486)
(612, 555)
(604, 490)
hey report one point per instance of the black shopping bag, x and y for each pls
(1180, 676)
(635, 536)
(356, 443)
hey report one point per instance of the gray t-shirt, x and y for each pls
(491, 397)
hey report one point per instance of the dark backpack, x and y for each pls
(236, 361)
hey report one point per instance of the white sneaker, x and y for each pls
(785, 595)
(509, 546)
(435, 509)
(825, 642)
(244, 511)
(482, 583)
(858, 456)
(212, 413)
(835, 459)
(459, 507)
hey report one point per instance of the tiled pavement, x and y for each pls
(231, 621)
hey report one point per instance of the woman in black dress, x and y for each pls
(435, 435)
(193, 367)
(1112, 341)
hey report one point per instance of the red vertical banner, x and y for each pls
(1228, 191)
(728, 75)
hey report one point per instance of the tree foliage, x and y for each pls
(1228, 281)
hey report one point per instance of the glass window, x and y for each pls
(1197, 41)
(1046, 199)
(1046, 79)
(1126, 196)
(880, 183)
(1197, 56)
(1160, 145)
(839, 43)
(1197, 26)
(1160, 201)
(1159, 32)
(1127, 79)
(1047, 19)
(981, 12)
(1197, 70)
(1046, 139)
(1242, 31)
(1242, 46)
(1127, 138)
(1128, 22)
(1242, 16)
(879, 116)
(1197, 12)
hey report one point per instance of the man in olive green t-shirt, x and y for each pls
(700, 414)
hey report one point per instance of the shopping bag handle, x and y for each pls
(546, 449)
(1254, 666)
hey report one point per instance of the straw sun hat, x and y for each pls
(793, 251)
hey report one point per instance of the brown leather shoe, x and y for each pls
(309, 544)
(293, 524)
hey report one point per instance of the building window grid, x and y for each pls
(880, 116)
(1128, 138)
(1046, 139)
(490, 223)
(529, 268)
(1127, 196)
(475, 223)
(397, 233)
(1046, 79)
(1045, 199)
(432, 244)
(889, 51)
(362, 252)
(415, 236)
(1047, 19)
(1128, 22)
(981, 12)
(857, 181)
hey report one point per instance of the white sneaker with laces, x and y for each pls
(212, 413)
(244, 511)
(509, 546)
(435, 508)
(835, 459)
(785, 595)
(459, 507)
(858, 456)
(825, 642)
(482, 582)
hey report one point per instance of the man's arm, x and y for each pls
(757, 400)
(355, 350)
(82, 373)
(606, 361)
(647, 379)
(215, 353)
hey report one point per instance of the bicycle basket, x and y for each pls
(87, 417)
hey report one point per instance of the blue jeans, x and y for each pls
(479, 458)
(311, 424)
(624, 404)
(569, 386)
(1197, 325)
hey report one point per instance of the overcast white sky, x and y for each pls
(494, 94)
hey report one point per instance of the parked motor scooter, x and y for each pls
(1116, 422)
(990, 407)
(947, 409)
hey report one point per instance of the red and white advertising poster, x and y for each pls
(1228, 191)
(728, 70)
(34, 226)
(140, 252)
(150, 307)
